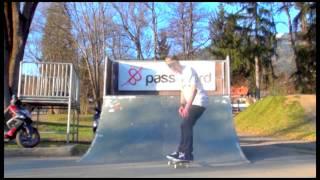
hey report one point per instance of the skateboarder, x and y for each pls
(193, 101)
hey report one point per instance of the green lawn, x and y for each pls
(53, 130)
(54, 127)
(274, 116)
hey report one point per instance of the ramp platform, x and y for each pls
(147, 128)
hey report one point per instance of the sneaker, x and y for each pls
(173, 155)
(185, 157)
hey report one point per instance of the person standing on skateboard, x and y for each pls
(193, 102)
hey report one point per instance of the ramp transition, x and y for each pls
(147, 128)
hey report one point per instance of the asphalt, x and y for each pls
(74, 150)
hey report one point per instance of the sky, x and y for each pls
(212, 7)
(282, 17)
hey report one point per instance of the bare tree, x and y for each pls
(16, 29)
(154, 28)
(119, 45)
(33, 43)
(58, 43)
(185, 28)
(133, 21)
(163, 45)
(91, 27)
(286, 7)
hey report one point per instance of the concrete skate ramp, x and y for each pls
(147, 128)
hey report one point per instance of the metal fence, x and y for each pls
(49, 83)
(48, 80)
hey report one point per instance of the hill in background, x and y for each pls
(285, 117)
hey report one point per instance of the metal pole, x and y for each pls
(66, 81)
(41, 81)
(228, 75)
(33, 88)
(58, 81)
(24, 84)
(77, 126)
(45, 80)
(105, 76)
(50, 81)
(19, 85)
(27, 85)
(77, 91)
(38, 81)
(223, 83)
(61, 81)
(69, 105)
(53, 79)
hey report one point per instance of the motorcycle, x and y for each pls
(26, 135)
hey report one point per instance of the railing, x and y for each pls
(49, 83)
(48, 80)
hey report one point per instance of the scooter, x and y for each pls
(26, 135)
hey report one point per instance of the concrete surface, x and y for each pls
(71, 149)
(266, 160)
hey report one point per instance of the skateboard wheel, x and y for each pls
(175, 166)
(169, 163)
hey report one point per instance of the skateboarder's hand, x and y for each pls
(180, 110)
(185, 111)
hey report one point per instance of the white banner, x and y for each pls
(156, 76)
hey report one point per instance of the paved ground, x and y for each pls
(269, 158)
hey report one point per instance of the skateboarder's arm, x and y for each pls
(192, 91)
(182, 100)
(187, 95)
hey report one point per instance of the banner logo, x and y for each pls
(135, 75)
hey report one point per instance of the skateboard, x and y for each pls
(179, 163)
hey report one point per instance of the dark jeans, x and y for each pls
(186, 139)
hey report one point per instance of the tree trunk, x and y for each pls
(155, 33)
(16, 31)
(6, 94)
(190, 48)
(256, 60)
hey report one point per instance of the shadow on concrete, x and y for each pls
(264, 150)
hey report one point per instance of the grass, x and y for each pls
(53, 130)
(276, 117)
(56, 126)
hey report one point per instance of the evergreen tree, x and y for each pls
(58, 44)
(248, 36)
(302, 30)
(259, 25)
(305, 47)
(228, 39)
